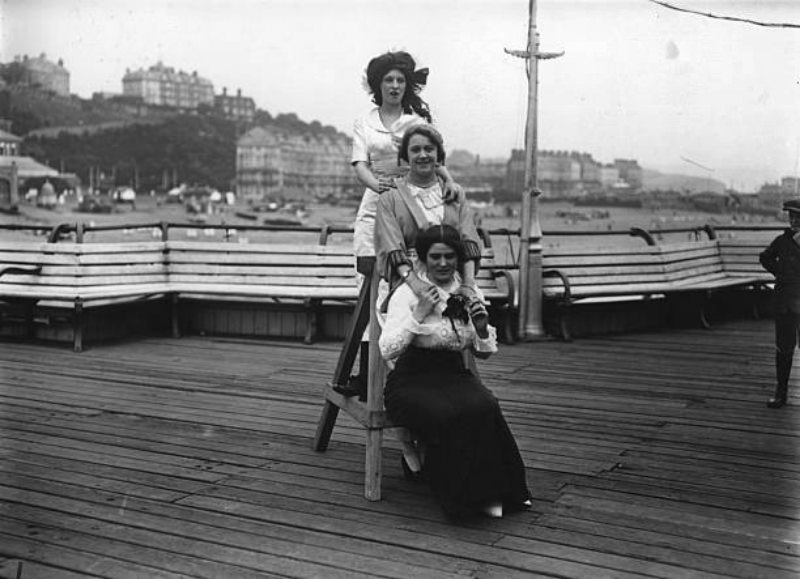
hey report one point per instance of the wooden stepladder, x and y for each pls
(369, 414)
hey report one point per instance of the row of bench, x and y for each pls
(83, 275)
(686, 273)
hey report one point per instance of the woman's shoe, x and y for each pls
(356, 386)
(493, 510)
(410, 475)
(777, 402)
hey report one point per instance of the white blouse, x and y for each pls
(400, 329)
(376, 145)
(430, 200)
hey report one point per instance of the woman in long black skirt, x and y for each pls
(467, 452)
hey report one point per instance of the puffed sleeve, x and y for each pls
(460, 216)
(487, 345)
(360, 152)
(399, 325)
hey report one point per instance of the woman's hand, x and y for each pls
(427, 302)
(453, 192)
(384, 184)
(468, 291)
(480, 318)
(417, 285)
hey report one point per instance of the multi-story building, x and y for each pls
(590, 170)
(558, 173)
(515, 171)
(238, 107)
(630, 172)
(46, 74)
(609, 176)
(163, 86)
(774, 194)
(9, 144)
(277, 163)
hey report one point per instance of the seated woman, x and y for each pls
(469, 456)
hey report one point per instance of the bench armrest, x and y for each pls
(564, 280)
(512, 291)
(21, 269)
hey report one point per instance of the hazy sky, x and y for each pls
(637, 81)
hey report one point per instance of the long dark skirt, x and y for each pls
(472, 458)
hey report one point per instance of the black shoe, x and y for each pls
(410, 475)
(777, 402)
(356, 386)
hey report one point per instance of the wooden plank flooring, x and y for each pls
(649, 455)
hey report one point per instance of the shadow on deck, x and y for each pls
(649, 455)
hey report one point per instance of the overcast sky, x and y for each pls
(676, 91)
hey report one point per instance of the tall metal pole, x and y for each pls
(530, 324)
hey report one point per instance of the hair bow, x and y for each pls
(420, 76)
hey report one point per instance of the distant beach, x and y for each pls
(554, 216)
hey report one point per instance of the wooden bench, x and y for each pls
(301, 274)
(688, 271)
(740, 257)
(74, 276)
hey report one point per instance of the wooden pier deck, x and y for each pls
(649, 455)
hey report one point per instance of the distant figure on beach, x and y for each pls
(394, 83)
(782, 259)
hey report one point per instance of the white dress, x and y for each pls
(377, 146)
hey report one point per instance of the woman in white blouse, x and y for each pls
(468, 455)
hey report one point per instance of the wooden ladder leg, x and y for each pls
(358, 323)
(375, 381)
(325, 426)
(372, 464)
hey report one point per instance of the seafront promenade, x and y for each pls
(650, 454)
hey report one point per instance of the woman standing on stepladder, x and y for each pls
(394, 83)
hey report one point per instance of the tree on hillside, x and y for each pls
(197, 149)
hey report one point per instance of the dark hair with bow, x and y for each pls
(415, 80)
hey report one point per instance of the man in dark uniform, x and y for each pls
(782, 259)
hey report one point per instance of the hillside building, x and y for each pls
(47, 75)
(9, 144)
(236, 107)
(163, 86)
(276, 163)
